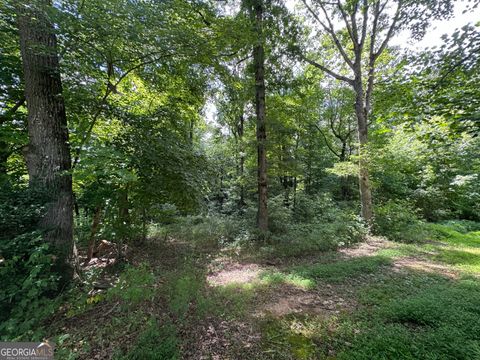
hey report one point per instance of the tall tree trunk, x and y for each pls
(48, 158)
(363, 176)
(241, 202)
(259, 63)
(294, 192)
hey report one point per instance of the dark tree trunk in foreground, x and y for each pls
(48, 153)
(259, 63)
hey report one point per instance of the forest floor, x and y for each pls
(377, 300)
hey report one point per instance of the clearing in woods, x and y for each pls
(379, 299)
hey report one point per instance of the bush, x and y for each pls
(164, 213)
(315, 224)
(318, 208)
(320, 226)
(279, 216)
(462, 226)
(26, 265)
(210, 231)
(399, 221)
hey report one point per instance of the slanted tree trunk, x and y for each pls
(48, 153)
(259, 64)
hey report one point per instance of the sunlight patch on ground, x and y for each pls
(235, 273)
(302, 303)
(427, 266)
(368, 247)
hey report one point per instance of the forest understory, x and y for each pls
(375, 299)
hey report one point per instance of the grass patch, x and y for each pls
(136, 284)
(413, 316)
(342, 270)
(403, 316)
(401, 250)
(466, 259)
(188, 295)
(456, 235)
(276, 278)
(157, 341)
(289, 338)
(460, 250)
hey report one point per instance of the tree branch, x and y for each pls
(364, 24)
(12, 110)
(354, 24)
(345, 19)
(454, 67)
(390, 31)
(326, 141)
(108, 91)
(328, 71)
(331, 31)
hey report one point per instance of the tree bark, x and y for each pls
(363, 176)
(48, 157)
(93, 232)
(241, 202)
(259, 63)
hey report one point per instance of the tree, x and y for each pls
(257, 9)
(368, 28)
(48, 154)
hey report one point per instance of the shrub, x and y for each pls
(462, 226)
(325, 233)
(26, 265)
(164, 213)
(209, 231)
(399, 221)
(320, 208)
(279, 216)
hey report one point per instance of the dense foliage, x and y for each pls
(28, 279)
(162, 101)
